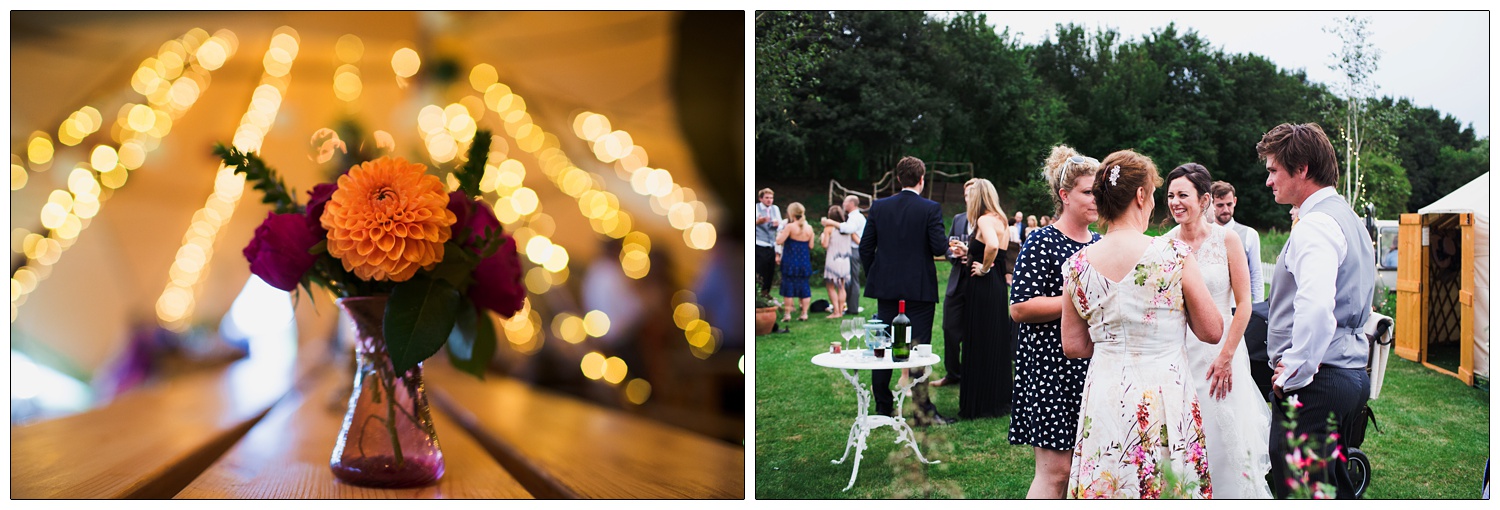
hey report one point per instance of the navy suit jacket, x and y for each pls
(903, 233)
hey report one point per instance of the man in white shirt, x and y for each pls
(854, 225)
(767, 222)
(1321, 291)
(1224, 202)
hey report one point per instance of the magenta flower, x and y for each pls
(278, 252)
(316, 199)
(497, 280)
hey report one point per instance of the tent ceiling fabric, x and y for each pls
(615, 63)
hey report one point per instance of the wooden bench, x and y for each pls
(257, 431)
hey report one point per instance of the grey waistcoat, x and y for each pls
(1355, 289)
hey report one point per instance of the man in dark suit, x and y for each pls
(903, 233)
(953, 304)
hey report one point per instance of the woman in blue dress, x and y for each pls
(1049, 386)
(796, 240)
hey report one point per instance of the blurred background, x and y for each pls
(616, 138)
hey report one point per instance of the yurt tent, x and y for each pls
(1442, 288)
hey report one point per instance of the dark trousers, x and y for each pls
(953, 334)
(1340, 391)
(765, 267)
(920, 314)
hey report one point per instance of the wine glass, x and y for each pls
(846, 329)
(857, 327)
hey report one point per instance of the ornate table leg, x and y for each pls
(859, 430)
(903, 431)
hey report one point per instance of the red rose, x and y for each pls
(278, 253)
(497, 279)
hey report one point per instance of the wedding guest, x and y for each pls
(854, 225)
(767, 222)
(796, 259)
(903, 234)
(1224, 202)
(1031, 225)
(837, 261)
(1046, 220)
(1321, 292)
(1013, 248)
(1235, 416)
(989, 357)
(953, 298)
(1048, 385)
(1132, 299)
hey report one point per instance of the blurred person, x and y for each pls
(953, 298)
(1049, 385)
(1224, 202)
(1132, 300)
(1046, 220)
(1013, 249)
(903, 235)
(1322, 290)
(767, 223)
(1235, 416)
(1031, 225)
(853, 225)
(838, 259)
(796, 240)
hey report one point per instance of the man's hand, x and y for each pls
(1276, 388)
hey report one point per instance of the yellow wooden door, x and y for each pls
(1411, 273)
(1466, 300)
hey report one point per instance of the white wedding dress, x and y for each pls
(1239, 426)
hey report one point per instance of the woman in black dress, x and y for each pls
(987, 356)
(1048, 385)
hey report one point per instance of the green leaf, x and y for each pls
(476, 356)
(461, 339)
(456, 268)
(418, 318)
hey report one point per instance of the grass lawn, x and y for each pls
(1433, 443)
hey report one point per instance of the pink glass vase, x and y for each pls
(387, 439)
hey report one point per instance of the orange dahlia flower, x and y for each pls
(388, 219)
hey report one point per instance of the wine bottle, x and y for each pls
(901, 327)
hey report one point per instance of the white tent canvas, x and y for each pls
(1474, 198)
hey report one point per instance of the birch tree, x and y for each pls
(1356, 61)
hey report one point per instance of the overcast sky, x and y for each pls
(1436, 59)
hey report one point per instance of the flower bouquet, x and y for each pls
(414, 266)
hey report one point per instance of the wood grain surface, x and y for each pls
(152, 441)
(562, 447)
(286, 456)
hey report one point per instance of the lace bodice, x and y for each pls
(1213, 264)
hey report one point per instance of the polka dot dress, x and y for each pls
(1048, 385)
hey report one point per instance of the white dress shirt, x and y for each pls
(1251, 240)
(855, 225)
(1315, 245)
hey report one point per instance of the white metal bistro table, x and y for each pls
(849, 363)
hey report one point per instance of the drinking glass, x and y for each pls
(846, 329)
(857, 327)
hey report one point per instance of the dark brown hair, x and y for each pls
(909, 171)
(1298, 145)
(1195, 173)
(1221, 189)
(836, 213)
(1135, 171)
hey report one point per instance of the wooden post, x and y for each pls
(1466, 300)
(1411, 273)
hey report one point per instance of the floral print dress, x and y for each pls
(1140, 433)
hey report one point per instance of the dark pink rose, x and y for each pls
(475, 218)
(497, 280)
(278, 253)
(316, 199)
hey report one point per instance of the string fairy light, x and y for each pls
(171, 80)
(175, 306)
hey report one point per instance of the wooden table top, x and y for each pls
(248, 432)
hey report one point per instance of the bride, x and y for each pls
(1235, 418)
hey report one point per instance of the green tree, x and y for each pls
(1386, 185)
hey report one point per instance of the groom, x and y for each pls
(903, 233)
(1320, 298)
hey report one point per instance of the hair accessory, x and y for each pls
(1114, 175)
